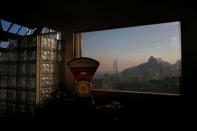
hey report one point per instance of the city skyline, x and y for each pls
(133, 45)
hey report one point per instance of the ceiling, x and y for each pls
(90, 15)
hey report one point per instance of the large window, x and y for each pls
(142, 58)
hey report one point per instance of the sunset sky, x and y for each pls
(134, 45)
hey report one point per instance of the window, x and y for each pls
(140, 59)
(5, 25)
(4, 44)
(15, 28)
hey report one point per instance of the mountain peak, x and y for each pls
(152, 60)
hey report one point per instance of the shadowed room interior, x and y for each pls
(71, 17)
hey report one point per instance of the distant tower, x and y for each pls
(115, 66)
(161, 73)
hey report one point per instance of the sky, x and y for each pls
(133, 45)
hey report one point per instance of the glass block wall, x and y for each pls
(51, 63)
(30, 69)
(18, 76)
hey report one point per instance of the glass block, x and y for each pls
(3, 69)
(12, 81)
(31, 55)
(24, 43)
(46, 82)
(11, 95)
(45, 55)
(3, 56)
(13, 44)
(30, 109)
(22, 56)
(45, 43)
(45, 68)
(12, 69)
(31, 83)
(22, 68)
(3, 94)
(53, 56)
(12, 56)
(33, 42)
(31, 69)
(20, 96)
(21, 83)
(54, 44)
(11, 107)
(53, 68)
(3, 81)
(21, 109)
(44, 95)
(54, 82)
(31, 97)
(3, 107)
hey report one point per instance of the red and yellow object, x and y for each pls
(83, 69)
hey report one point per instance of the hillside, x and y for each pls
(154, 68)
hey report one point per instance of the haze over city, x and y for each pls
(133, 45)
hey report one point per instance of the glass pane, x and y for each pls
(5, 25)
(45, 44)
(31, 69)
(13, 43)
(3, 56)
(31, 83)
(31, 31)
(12, 56)
(24, 42)
(21, 82)
(22, 69)
(12, 69)
(45, 55)
(3, 94)
(3, 81)
(33, 41)
(45, 68)
(46, 82)
(22, 55)
(45, 30)
(20, 96)
(20, 108)
(53, 68)
(143, 58)
(32, 55)
(31, 97)
(53, 44)
(11, 95)
(53, 56)
(3, 107)
(12, 82)
(54, 81)
(3, 69)
(30, 109)
(4, 44)
(44, 95)
(23, 31)
(14, 29)
(11, 107)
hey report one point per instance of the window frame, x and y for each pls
(77, 52)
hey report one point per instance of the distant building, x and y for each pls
(115, 66)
